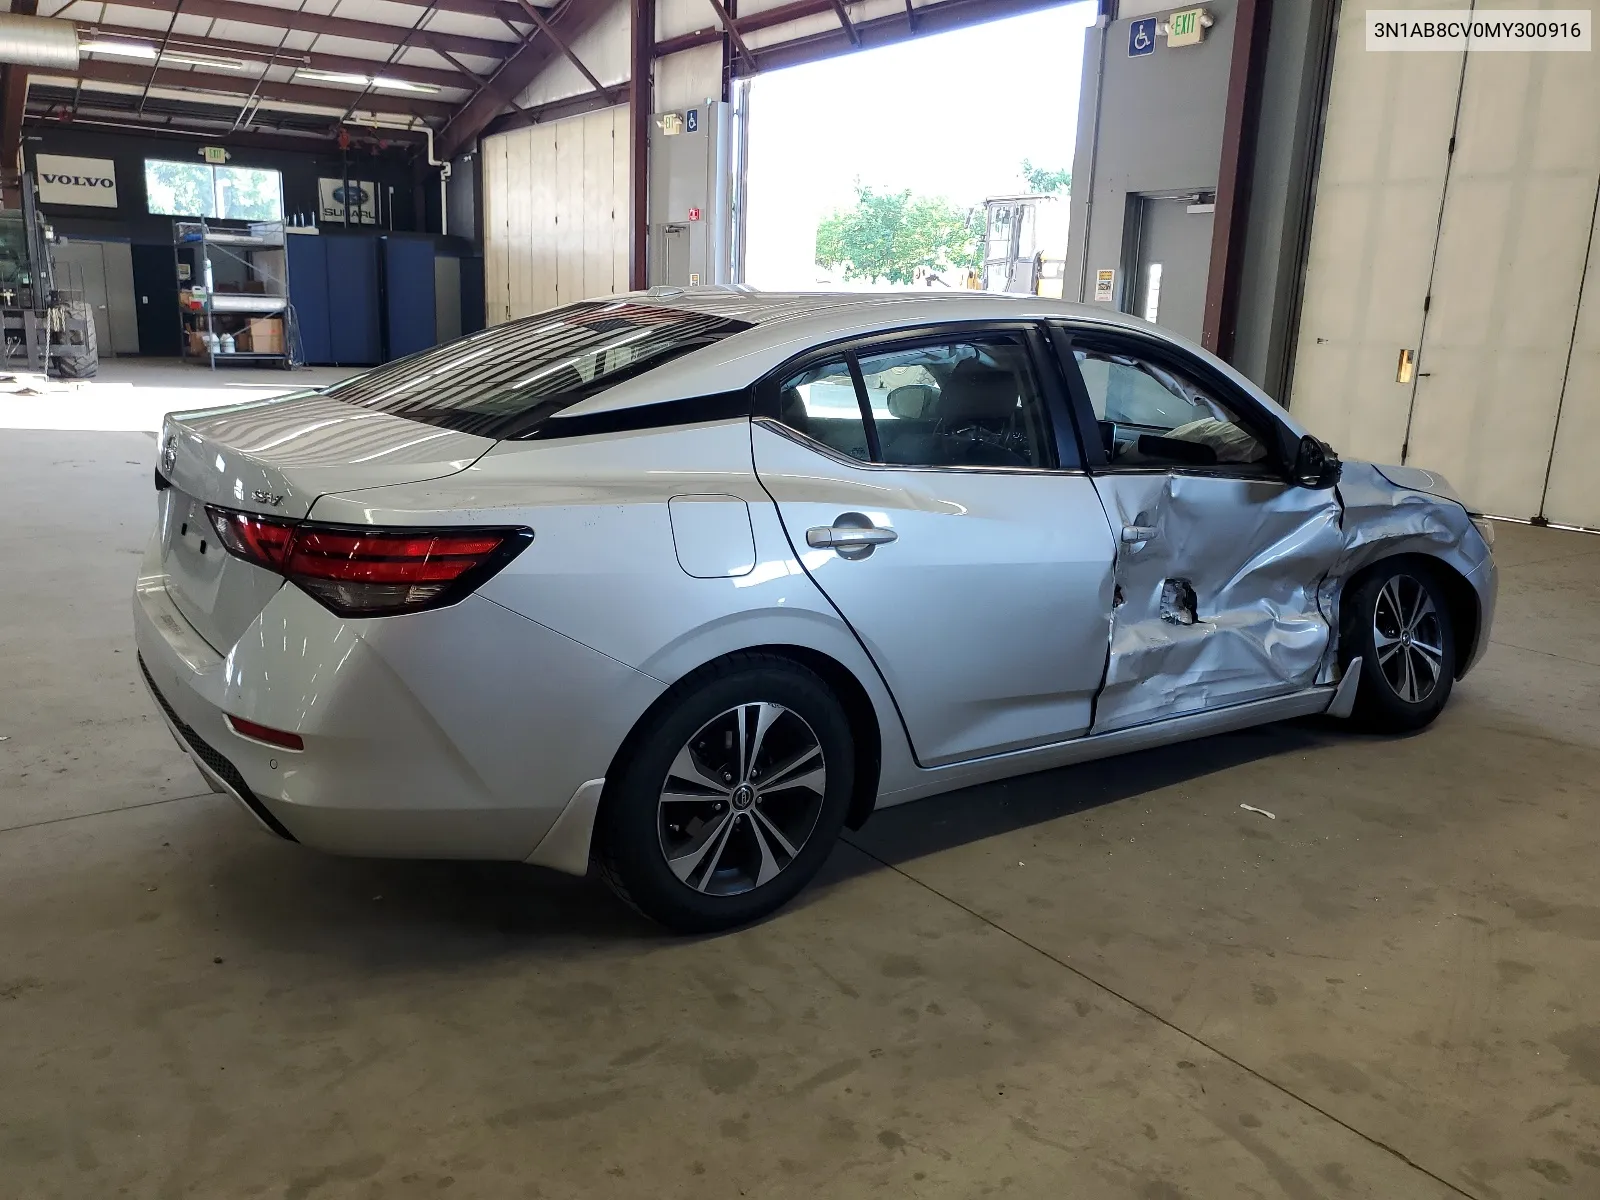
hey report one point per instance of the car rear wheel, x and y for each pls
(730, 799)
(1398, 621)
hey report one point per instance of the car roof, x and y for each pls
(785, 324)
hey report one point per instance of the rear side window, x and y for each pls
(506, 381)
(821, 403)
(965, 403)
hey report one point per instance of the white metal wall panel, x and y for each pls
(555, 213)
(1385, 154)
(690, 78)
(496, 248)
(603, 48)
(1517, 215)
(1573, 495)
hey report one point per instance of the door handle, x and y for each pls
(852, 536)
(1133, 534)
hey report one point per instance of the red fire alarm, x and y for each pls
(694, 214)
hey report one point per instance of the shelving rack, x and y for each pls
(261, 249)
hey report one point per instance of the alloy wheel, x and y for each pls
(1408, 638)
(741, 799)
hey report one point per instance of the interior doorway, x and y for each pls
(1167, 260)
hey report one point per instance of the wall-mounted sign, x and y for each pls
(215, 154)
(692, 120)
(1105, 283)
(63, 179)
(1188, 27)
(694, 214)
(1142, 38)
(361, 196)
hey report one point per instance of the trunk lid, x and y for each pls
(275, 458)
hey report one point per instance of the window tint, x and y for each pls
(821, 403)
(957, 404)
(1150, 415)
(507, 380)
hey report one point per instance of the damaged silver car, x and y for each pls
(682, 583)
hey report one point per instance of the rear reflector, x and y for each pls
(262, 733)
(365, 572)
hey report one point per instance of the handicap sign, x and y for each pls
(1142, 37)
(693, 124)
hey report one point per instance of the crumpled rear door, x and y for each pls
(1216, 592)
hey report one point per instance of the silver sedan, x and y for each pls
(681, 583)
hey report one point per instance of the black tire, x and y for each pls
(84, 361)
(636, 825)
(1386, 700)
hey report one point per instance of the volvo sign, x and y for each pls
(87, 182)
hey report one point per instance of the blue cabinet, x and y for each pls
(408, 294)
(333, 285)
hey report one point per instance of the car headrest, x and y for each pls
(791, 408)
(977, 392)
(911, 401)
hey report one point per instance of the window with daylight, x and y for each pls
(185, 189)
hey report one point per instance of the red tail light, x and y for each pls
(361, 572)
(265, 733)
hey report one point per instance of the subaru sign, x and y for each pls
(335, 195)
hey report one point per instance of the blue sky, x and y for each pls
(952, 115)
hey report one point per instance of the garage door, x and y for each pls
(1474, 261)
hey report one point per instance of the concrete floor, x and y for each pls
(1107, 981)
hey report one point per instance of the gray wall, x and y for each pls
(1160, 125)
(1160, 130)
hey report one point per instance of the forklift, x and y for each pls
(48, 329)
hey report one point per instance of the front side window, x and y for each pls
(957, 404)
(1150, 415)
(508, 380)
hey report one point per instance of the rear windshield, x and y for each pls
(509, 379)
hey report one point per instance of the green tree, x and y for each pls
(1045, 180)
(888, 236)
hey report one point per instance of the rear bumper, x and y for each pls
(458, 733)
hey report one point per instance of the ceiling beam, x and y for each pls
(554, 35)
(326, 140)
(307, 22)
(556, 110)
(766, 19)
(514, 75)
(217, 83)
(844, 21)
(732, 28)
(316, 59)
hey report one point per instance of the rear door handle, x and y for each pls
(1132, 534)
(853, 536)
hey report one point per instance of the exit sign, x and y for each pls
(1186, 28)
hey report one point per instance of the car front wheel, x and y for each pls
(1398, 621)
(730, 797)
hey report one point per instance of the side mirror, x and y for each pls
(1315, 464)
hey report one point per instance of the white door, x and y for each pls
(1385, 155)
(1518, 214)
(976, 573)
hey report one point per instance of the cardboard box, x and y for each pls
(197, 344)
(261, 335)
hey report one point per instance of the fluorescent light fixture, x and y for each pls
(148, 53)
(121, 49)
(202, 60)
(376, 81)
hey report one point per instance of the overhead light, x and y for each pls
(120, 49)
(148, 53)
(202, 60)
(376, 81)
